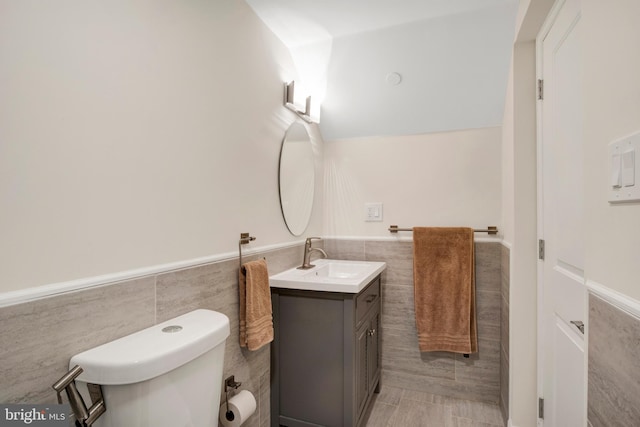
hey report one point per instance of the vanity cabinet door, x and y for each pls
(362, 377)
(373, 350)
(367, 359)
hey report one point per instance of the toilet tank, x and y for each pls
(168, 375)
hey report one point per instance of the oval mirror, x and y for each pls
(297, 178)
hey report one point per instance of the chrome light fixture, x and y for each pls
(288, 102)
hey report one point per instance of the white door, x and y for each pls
(561, 225)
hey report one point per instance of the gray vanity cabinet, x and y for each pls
(367, 359)
(326, 356)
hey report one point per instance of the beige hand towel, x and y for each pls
(444, 289)
(256, 320)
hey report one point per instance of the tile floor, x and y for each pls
(396, 407)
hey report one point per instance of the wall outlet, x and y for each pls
(373, 211)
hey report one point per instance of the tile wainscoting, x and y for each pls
(38, 338)
(614, 365)
(504, 331)
(403, 365)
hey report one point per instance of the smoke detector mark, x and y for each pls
(394, 79)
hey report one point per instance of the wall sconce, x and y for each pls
(288, 102)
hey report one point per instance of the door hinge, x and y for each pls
(540, 407)
(541, 249)
(540, 89)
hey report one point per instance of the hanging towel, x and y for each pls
(444, 289)
(256, 320)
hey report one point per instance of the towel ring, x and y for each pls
(244, 239)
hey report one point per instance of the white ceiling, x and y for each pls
(452, 56)
(299, 22)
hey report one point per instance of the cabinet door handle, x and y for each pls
(371, 332)
(370, 298)
(578, 324)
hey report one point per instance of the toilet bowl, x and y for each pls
(168, 375)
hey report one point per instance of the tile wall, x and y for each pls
(475, 378)
(614, 365)
(504, 332)
(38, 338)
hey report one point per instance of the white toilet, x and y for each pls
(168, 375)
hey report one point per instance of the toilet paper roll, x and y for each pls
(241, 407)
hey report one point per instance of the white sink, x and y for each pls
(330, 275)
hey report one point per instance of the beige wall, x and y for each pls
(508, 186)
(440, 179)
(519, 182)
(136, 134)
(611, 110)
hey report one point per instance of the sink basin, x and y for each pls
(340, 270)
(330, 275)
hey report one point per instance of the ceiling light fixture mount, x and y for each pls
(288, 102)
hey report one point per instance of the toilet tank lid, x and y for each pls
(152, 352)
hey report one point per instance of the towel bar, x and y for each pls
(491, 229)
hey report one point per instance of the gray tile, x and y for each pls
(283, 259)
(210, 286)
(398, 310)
(345, 249)
(400, 353)
(389, 395)
(38, 338)
(437, 386)
(424, 414)
(488, 312)
(478, 378)
(504, 385)
(504, 331)
(465, 422)
(504, 326)
(265, 399)
(481, 369)
(380, 414)
(399, 259)
(447, 400)
(614, 365)
(488, 266)
(505, 270)
(420, 408)
(418, 396)
(478, 411)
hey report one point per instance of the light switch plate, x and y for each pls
(373, 211)
(624, 185)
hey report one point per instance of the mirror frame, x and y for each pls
(296, 176)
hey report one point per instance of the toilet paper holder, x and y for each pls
(230, 383)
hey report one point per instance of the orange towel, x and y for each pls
(444, 289)
(256, 320)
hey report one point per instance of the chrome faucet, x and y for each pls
(306, 262)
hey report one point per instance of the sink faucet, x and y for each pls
(306, 262)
